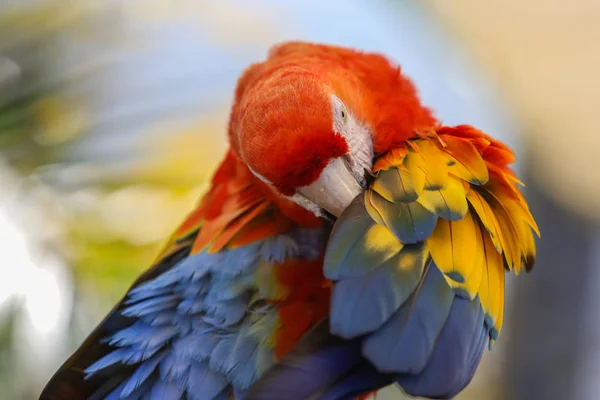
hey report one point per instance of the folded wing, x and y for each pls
(418, 261)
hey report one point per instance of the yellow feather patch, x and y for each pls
(509, 236)
(448, 203)
(519, 210)
(414, 256)
(491, 286)
(521, 231)
(510, 197)
(483, 291)
(486, 216)
(512, 243)
(379, 239)
(370, 205)
(483, 222)
(432, 161)
(456, 249)
(500, 320)
(409, 222)
(471, 286)
(397, 185)
(373, 249)
(527, 245)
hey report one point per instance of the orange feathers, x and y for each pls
(238, 209)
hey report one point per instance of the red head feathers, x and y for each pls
(283, 123)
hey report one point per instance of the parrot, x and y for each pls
(348, 240)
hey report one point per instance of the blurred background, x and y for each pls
(113, 115)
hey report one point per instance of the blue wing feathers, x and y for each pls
(158, 318)
(242, 361)
(344, 237)
(447, 369)
(220, 354)
(174, 368)
(197, 346)
(362, 380)
(480, 340)
(192, 289)
(190, 306)
(322, 367)
(116, 394)
(165, 391)
(143, 334)
(316, 363)
(279, 248)
(204, 383)
(240, 357)
(198, 329)
(431, 345)
(143, 293)
(413, 324)
(361, 305)
(195, 329)
(142, 373)
(404, 344)
(111, 358)
(151, 305)
(222, 289)
(223, 314)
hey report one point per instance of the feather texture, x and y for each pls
(210, 340)
(201, 322)
(451, 195)
(407, 340)
(409, 222)
(449, 367)
(412, 279)
(361, 305)
(483, 219)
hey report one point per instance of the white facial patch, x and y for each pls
(358, 137)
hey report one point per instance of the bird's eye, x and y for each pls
(344, 115)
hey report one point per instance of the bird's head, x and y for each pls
(308, 137)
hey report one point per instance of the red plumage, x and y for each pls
(281, 119)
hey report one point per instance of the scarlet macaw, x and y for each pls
(259, 295)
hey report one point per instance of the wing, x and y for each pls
(418, 261)
(233, 291)
(417, 265)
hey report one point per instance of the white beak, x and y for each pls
(335, 189)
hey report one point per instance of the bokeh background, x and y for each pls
(113, 115)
